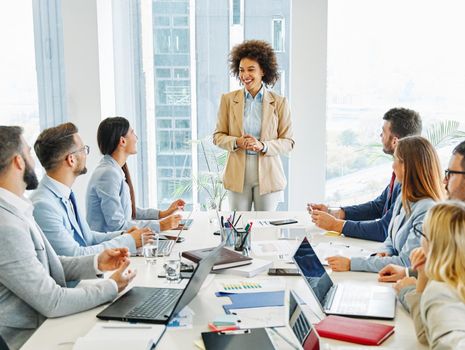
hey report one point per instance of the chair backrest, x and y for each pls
(3, 345)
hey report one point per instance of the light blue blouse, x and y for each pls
(401, 238)
(253, 115)
(108, 201)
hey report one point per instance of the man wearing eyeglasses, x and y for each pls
(63, 155)
(454, 179)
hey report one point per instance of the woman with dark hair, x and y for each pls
(111, 203)
(254, 125)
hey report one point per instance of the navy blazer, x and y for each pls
(370, 220)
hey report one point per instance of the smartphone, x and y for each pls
(283, 222)
(184, 275)
(283, 271)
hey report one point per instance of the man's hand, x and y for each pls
(112, 259)
(132, 229)
(314, 206)
(171, 222)
(326, 221)
(404, 282)
(123, 278)
(138, 233)
(178, 204)
(338, 263)
(391, 273)
(418, 259)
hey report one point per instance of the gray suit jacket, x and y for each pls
(439, 316)
(401, 238)
(33, 279)
(53, 214)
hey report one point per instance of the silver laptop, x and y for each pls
(348, 299)
(300, 325)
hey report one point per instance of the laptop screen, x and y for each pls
(300, 325)
(312, 270)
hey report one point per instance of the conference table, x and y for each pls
(61, 333)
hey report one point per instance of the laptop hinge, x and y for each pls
(330, 297)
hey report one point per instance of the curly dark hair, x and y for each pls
(257, 50)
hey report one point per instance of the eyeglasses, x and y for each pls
(418, 230)
(85, 148)
(448, 173)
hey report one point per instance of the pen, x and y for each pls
(237, 221)
(222, 221)
(234, 216)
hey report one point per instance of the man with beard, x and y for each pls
(454, 179)
(32, 277)
(370, 220)
(63, 155)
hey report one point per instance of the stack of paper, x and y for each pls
(257, 266)
(120, 336)
(325, 250)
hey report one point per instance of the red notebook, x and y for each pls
(353, 330)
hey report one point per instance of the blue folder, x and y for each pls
(251, 300)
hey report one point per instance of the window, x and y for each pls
(187, 86)
(278, 34)
(379, 61)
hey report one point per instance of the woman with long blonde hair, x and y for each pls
(417, 168)
(438, 304)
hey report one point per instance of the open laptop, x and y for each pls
(347, 299)
(301, 327)
(166, 244)
(159, 305)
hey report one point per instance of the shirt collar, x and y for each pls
(109, 159)
(62, 189)
(23, 204)
(258, 96)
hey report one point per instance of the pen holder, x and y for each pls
(227, 236)
(242, 241)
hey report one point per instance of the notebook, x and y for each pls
(226, 257)
(300, 325)
(250, 270)
(238, 340)
(348, 299)
(353, 330)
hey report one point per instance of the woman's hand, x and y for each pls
(250, 143)
(338, 263)
(418, 259)
(405, 282)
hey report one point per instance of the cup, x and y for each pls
(150, 247)
(227, 236)
(172, 267)
(242, 241)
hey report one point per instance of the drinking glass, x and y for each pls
(172, 267)
(150, 247)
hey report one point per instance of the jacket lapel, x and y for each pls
(66, 205)
(267, 113)
(238, 110)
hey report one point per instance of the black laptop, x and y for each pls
(159, 305)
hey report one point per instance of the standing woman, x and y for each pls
(110, 200)
(254, 126)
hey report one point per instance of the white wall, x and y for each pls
(81, 59)
(308, 101)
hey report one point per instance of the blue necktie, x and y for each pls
(77, 237)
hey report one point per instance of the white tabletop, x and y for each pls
(61, 333)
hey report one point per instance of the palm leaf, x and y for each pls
(444, 132)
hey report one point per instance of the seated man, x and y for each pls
(32, 277)
(370, 220)
(63, 155)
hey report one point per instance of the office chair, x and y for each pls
(3, 345)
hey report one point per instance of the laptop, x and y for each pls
(159, 305)
(300, 325)
(165, 246)
(347, 299)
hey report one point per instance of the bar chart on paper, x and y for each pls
(250, 286)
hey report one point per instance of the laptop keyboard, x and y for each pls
(352, 301)
(158, 304)
(301, 327)
(164, 246)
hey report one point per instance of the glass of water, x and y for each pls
(172, 267)
(150, 247)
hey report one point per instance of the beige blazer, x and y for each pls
(276, 133)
